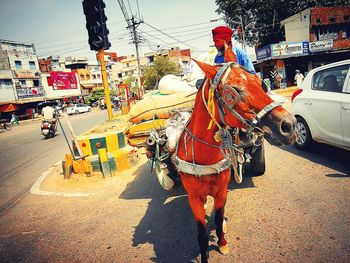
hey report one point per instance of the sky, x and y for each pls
(57, 27)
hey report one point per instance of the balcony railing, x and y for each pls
(30, 92)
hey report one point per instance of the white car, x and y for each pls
(78, 108)
(322, 106)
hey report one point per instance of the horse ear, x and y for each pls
(229, 55)
(209, 70)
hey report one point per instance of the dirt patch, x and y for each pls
(119, 122)
(55, 181)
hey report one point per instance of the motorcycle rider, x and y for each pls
(49, 114)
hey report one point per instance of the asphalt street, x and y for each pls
(297, 212)
(25, 154)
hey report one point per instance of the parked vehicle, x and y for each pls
(48, 128)
(78, 108)
(322, 106)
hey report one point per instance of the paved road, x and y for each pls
(297, 212)
(25, 154)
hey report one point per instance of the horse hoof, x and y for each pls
(224, 226)
(224, 249)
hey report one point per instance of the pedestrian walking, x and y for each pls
(298, 77)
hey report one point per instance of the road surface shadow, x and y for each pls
(326, 155)
(168, 223)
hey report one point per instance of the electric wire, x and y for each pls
(179, 41)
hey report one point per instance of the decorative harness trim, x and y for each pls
(201, 170)
(228, 148)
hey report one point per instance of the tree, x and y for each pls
(131, 82)
(161, 67)
(261, 19)
(98, 93)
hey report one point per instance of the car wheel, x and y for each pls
(302, 130)
(89, 110)
(257, 161)
(76, 112)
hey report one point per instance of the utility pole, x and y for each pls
(136, 40)
(133, 23)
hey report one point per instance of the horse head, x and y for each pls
(241, 101)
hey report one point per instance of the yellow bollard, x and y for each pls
(68, 166)
(106, 171)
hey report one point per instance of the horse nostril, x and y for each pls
(287, 127)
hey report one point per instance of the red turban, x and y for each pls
(222, 33)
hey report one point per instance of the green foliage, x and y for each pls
(161, 67)
(131, 82)
(98, 93)
(263, 17)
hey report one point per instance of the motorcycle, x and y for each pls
(48, 128)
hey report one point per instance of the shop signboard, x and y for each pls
(26, 74)
(322, 45)
(263, 53)
(63, 80)
(289, 49)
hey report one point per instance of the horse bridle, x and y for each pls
(229, 100)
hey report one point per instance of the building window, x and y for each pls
(94, 76)
(120, 75)
(23, 83)
(18, 64)
(98, 76)
(81, 76)
(332, 19)
(6, 84)
(318, 20)
(127, 65)
(32, 65)
(346, 18)
(36, 83)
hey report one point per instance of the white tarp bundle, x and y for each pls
(170, 84)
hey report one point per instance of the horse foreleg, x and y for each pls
(219, 206)
(197, 206)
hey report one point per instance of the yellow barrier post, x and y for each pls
(105, 84)
(106, 171)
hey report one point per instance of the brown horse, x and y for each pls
(230, 96)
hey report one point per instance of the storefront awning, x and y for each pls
(9, 107)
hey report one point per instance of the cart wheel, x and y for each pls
(258, 160)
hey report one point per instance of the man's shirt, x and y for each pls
(48, 113)
(242, 59)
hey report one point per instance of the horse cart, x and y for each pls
(160, 153)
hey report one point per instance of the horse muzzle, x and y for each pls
(279, 127)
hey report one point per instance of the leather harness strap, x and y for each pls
(201, 170)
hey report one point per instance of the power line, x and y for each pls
(190, 25)
(188, 33)
(64, 33)
(130, 8)
(179, 41)
(138, 9)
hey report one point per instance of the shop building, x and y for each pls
(20, 78)
(314, 37)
